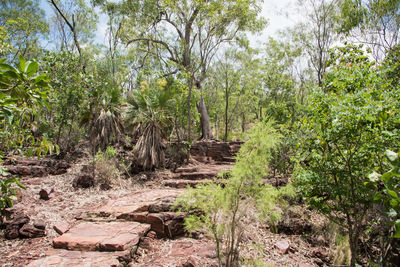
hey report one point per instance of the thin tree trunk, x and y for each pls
(226, 110)
(204, 120)
(216, 126)
(189, 99)
(243, 122)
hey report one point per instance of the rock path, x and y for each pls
(111, 235)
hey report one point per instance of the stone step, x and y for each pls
(92, 236)
(181, 183)
(228, 159)
(152, 207)
(187, 169)
(195, 175)
(153, 200)
(67, 258)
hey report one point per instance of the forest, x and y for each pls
(281, 152)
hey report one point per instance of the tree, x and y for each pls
(187, 35)
(149, 111)
(78, 18)
(22, 92)
(347, 125)
(231, 88)
(372, 22)
(318, 33)
(24, 22)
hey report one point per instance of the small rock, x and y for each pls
(30, 231)
(191, 262)
(40, 224)
(321, 254)
(105, 186)
(83, 181)
(19, 219)
(46, 194)
(319, 262)
(143, 177)
(61, 227)
(282, 246)
(11, 232)
(151, 234)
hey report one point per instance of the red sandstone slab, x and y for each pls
(137, 202)
(113, 236)
(65, 258)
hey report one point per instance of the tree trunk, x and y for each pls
(216, 126)
(189, 99)
(353, 239)
(243, 122)
(226, 110)
(204, 120)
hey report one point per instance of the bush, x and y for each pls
(223, 210)
(348, 124)
(106, 167)
(8, 192)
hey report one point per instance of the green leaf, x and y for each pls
(22, 64)
(32, 68)
(8, 67)
(392, 193)
(11, 74)
(387, 176)
(394, 203)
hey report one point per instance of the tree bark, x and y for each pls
(226, 109)
(204, 120)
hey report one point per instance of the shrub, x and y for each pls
(106, 167)
(8, 192)
(348, 123)
(222, 210)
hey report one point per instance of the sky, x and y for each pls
(275, 11)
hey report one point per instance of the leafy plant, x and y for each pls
(149, 111)
(222, 209)
(348, 123)
(387, 188)
(106, 168)
(22, 92)
(8, 191)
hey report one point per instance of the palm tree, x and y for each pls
(148, 111)
(104, 120)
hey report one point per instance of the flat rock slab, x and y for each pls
(66, 258)
(155, 200)
(91, 236)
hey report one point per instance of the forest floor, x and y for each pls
(306, 232)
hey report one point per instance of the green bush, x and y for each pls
(106, 166)
(8, 191)
(222, 210)
(347, 126)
